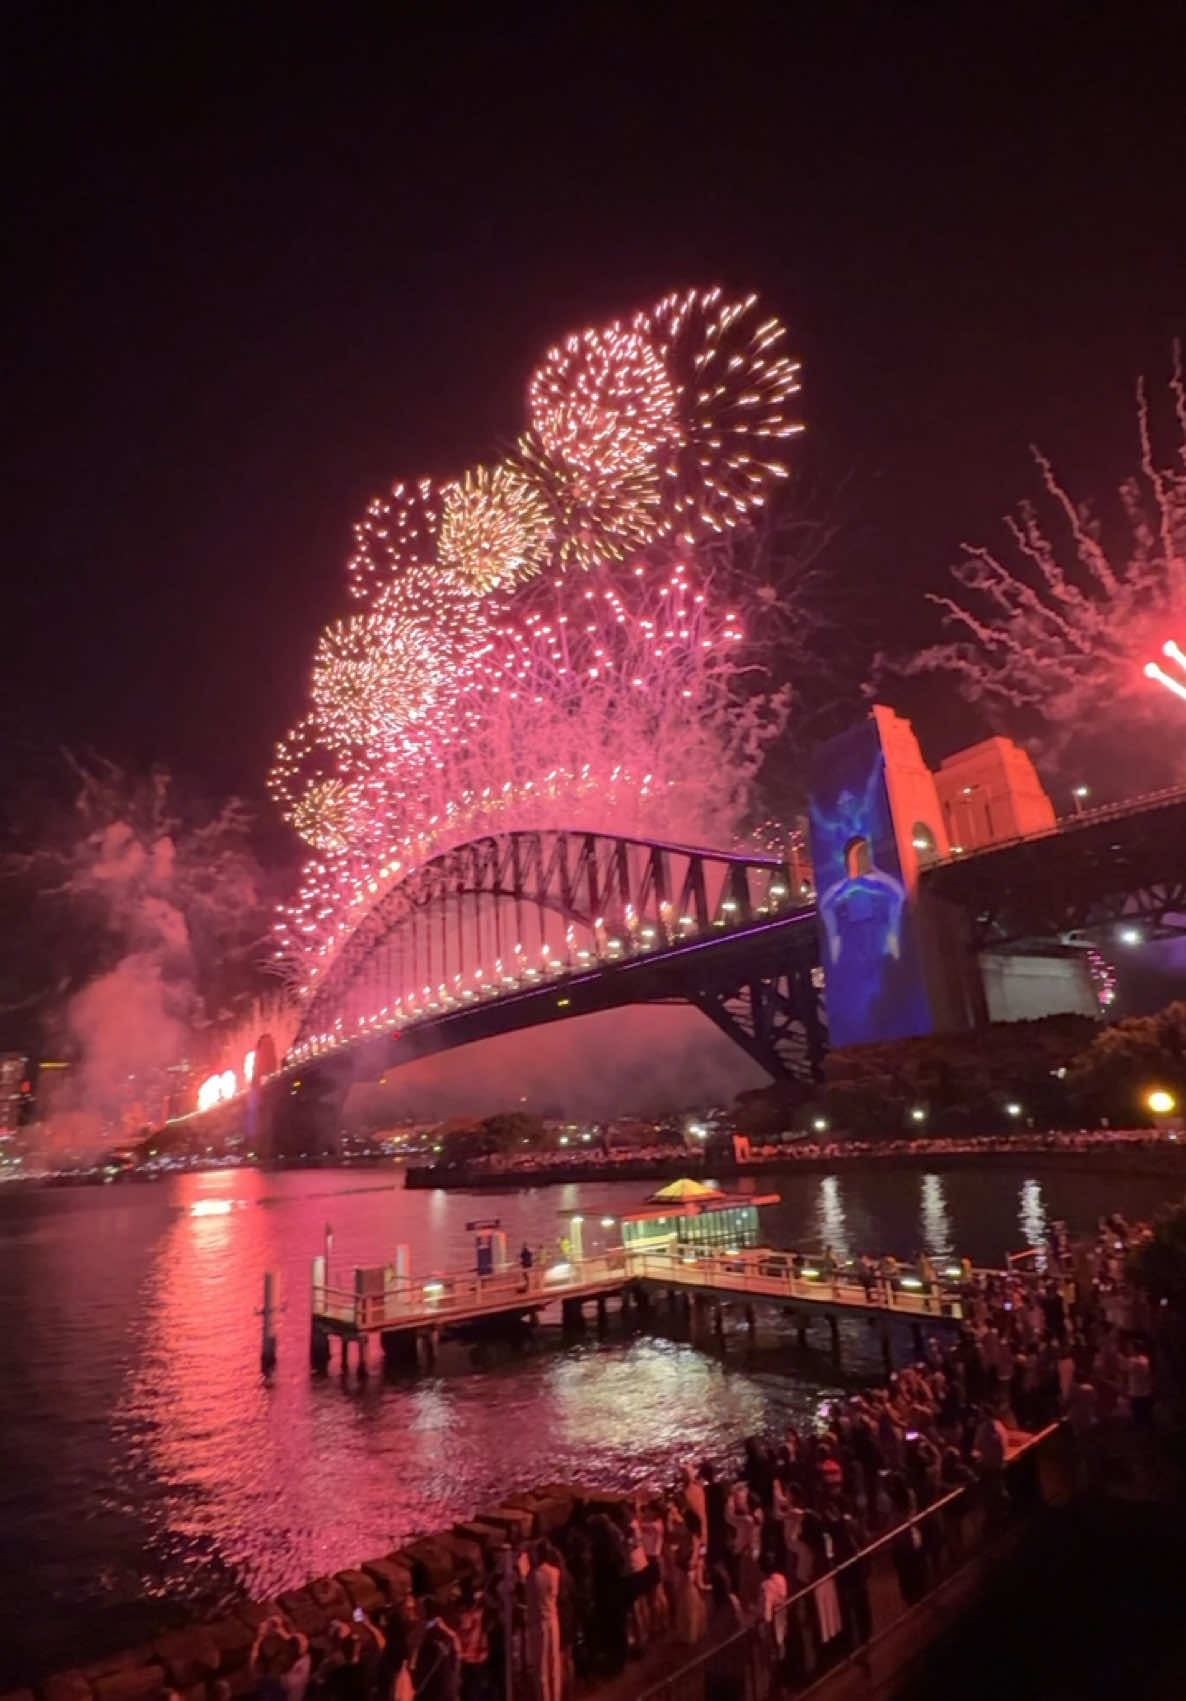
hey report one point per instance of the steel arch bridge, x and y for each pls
(518, 928)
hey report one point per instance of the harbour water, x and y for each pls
(148, 1471)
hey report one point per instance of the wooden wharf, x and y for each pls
(411, 1314)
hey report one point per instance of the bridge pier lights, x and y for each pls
(319, 1350)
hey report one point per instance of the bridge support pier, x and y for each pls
(801, 1331)
(751, 1322)
(364, 1368)
(572, 1316)
(399, 1349)
(427, 1342)
(319, 1350)
(602, 1314)
(916, 1338)
(834, 1333)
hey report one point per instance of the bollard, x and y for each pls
(267, 1348)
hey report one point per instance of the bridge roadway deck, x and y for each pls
(439, 1302)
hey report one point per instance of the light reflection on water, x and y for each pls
(145, 1462)
(936, 1223)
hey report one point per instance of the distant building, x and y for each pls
(14, 1088)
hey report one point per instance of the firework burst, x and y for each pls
(484, 683)
(494, 529)
(373, 674)
(734, 386)
(596, 517)
(327, 815)
(602, 403)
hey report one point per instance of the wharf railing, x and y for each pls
(411, 1301)
(847, 1616)
(759, 1274)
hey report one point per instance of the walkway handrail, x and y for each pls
(747, 1633)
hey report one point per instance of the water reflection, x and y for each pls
(1031, 1214)
(936, 1222)
(830, 1226)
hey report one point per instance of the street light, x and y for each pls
(1013, 1109)
(1160, 1102)
(820, 1124)
(1079, 796)
(918, 1114)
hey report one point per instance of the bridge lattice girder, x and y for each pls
(1124, 863)
(471, 912)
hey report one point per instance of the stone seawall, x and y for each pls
(186, 1659)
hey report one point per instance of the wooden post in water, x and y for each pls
(267, 1348)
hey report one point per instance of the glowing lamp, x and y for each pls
(918, 1114)
(1160, 1102)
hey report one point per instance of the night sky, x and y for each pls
(254, 275)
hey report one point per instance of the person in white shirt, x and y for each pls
(772, 1598)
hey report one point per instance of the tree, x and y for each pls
(963, 1082)
(1113, 1076)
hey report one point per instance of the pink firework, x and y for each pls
(602, 403)
(485, 686)
(396, 535)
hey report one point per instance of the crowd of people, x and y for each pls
(809, 1147)
(781, 1542)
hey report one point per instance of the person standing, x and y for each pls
(1140, 1386)
(544, 1651)
(436, 1670)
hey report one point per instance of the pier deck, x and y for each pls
(414, 1304)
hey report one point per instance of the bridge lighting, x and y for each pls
(1131, 936)
(1160, 1102)
(686, 921)
(778, 891)
(563, 1003)
(608, 1222)
(1013, 1109)
(820, 1124)
(228, 1083)
(249, 1067)
(918, 1114)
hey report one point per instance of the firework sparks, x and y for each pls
(396, 535)
(733, 389)
(597, 517)
(602, 403)
(494, 529)
(372, 675)
(1058, 626)
(326, 816)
